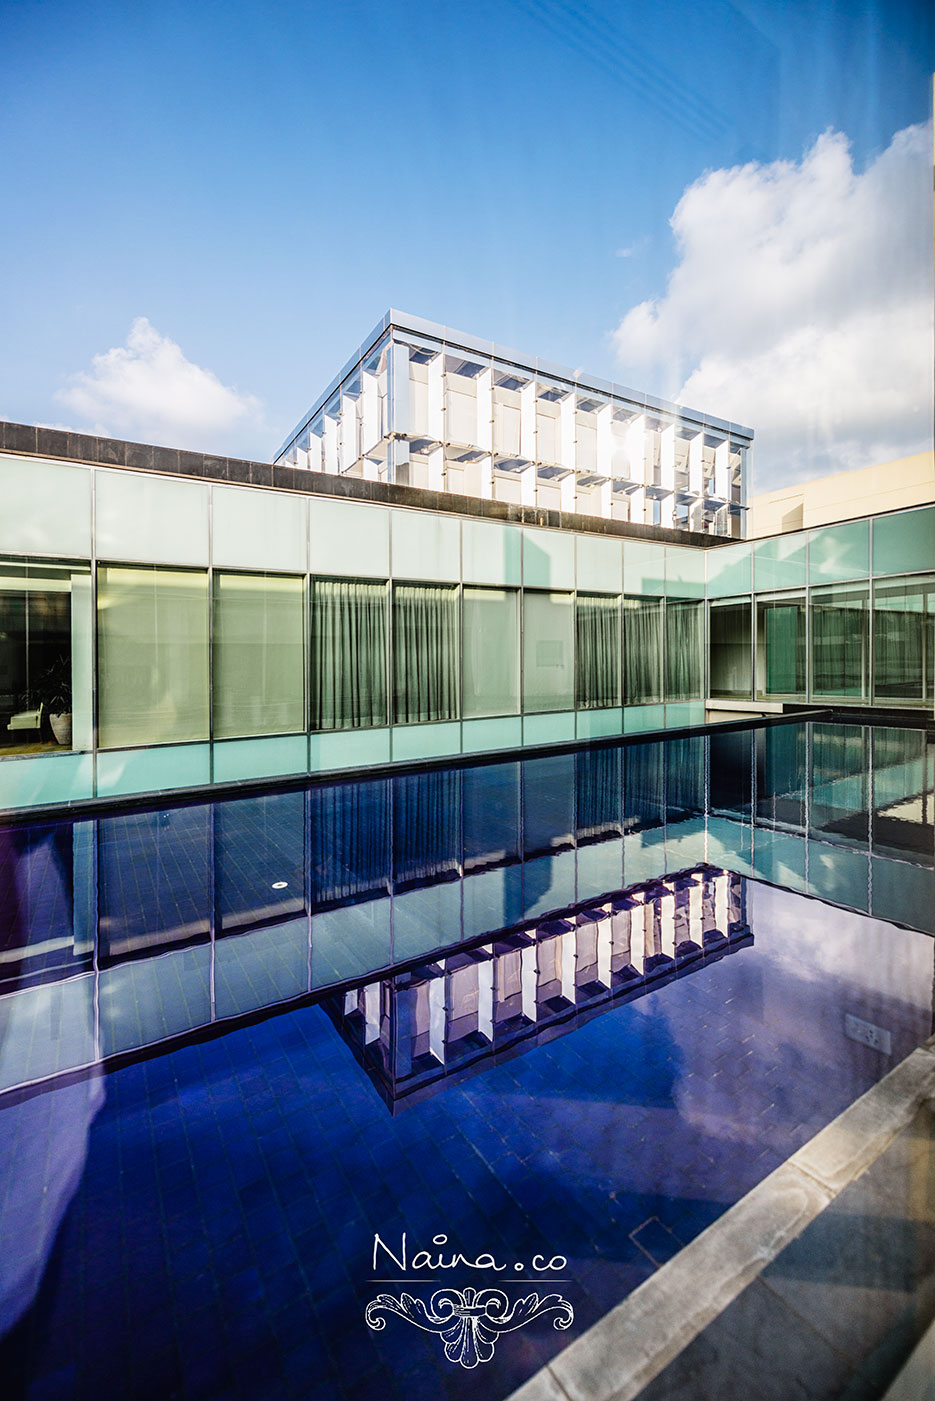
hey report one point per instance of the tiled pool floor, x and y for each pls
(563, 1012)
(219, 1240)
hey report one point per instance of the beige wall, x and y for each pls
(909, 481)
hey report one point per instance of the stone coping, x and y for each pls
(627, 1348)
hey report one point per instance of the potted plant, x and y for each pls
(52, 690)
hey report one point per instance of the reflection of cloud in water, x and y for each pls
(818, 941)
(43, 1147)
(762, 1062)
(43, 1140)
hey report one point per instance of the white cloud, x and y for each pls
(147, 389)
(801, 305)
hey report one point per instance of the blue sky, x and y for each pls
(260, 181)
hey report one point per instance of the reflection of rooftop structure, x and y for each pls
(231, 909)
(457, 1014)
(422, 405)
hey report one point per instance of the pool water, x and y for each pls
(562, 1012)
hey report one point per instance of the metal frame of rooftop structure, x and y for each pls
(423, 405)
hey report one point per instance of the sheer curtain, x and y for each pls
(425, 653)
(903, 619)
(781, 657)
(839, 640)
(684, 653)
(597, 621)
(642, 641)
(348, 662)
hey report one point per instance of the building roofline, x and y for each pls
(30, 440)
(476, 345)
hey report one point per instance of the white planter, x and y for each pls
(61, 728)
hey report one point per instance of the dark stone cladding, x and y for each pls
(31, 441)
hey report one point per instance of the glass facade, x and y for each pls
(182, 674)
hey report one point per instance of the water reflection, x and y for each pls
(423, 1030)
(139, 927)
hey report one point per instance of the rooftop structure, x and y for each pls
(424, 405)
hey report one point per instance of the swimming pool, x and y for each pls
(258, 1056)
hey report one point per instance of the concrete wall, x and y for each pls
(889, 486)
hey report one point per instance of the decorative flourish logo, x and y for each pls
(469, 1321)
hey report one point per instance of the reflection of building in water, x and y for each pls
(414, 1031)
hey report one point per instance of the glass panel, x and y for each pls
(258, 530)
(904, 639)
(259, 663)
(490, 642)
(729, 644)
(151, 519)
(548, 650)
(599, 564)
(781, 659)
(685, 572)
(644, 567)
(548, 559)
(904, 541)
(642, 641)
(425, 653)
(779, 563)
(598, 651)
(684, 649)
(152, 655)
(63, 525)
(348, 661)
(45, 657)
(840, 643)
(839, 552)
(491, 553)
(348, 538)
(729, 570)
(425, 546)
